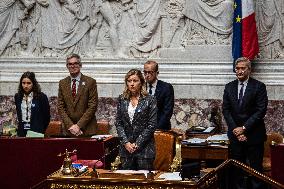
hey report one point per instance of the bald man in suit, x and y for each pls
(164, 93)
(77, 100)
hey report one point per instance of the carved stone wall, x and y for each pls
(128, 28)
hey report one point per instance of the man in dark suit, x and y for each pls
(77, 100)
(163, 92)
(244, 107)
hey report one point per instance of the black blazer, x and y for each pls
(40, 114)
(165, 102)
(251, 112)
(142, 129)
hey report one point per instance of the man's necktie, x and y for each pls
(150, 89)
(74, 88)
(241, 94)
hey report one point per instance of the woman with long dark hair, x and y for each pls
(32, 106)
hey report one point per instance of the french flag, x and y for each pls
(245, 40)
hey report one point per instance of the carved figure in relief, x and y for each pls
(270, 24)
(43, 29)
(209, 21)
(175, 17)
(148, 27)
(12, 12)
(73, 26)
(101, 9)
(63, 32)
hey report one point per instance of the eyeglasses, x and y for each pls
(148, 72)
(237, 69)
(73, 64)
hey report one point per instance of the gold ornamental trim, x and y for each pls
(99, 186)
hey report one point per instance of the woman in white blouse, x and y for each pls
(136, 122)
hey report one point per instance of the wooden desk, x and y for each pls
(27, 161)
(277, 163)
(122, 182)
(204, 152)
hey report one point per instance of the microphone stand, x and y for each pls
(101, 158)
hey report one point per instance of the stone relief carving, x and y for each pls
(147, 36)
(270, 23)
(208, 22)
(128, 28)
(101, 10)
(12, 13)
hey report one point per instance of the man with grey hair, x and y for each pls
(77, 100)
(244, 107)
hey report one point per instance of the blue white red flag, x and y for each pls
(245, 40)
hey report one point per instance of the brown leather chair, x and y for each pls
(165, 149)
(103, 127)
(54, 129)
(271, 138)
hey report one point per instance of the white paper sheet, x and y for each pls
(170, 176)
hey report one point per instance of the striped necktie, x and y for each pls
(74, 88)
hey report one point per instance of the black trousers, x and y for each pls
(252, 155)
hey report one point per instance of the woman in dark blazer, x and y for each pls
(136, 122)
(32, 106)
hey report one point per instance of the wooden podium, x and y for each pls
(215, 178)
(27, 161)
(111, 180)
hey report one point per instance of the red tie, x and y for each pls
(74, 88)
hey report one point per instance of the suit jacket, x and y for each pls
(82, 109)
(141, 130)
(40, 114)
(164, 94)
(250, 114)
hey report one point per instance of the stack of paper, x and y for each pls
(170, 176)
(195, 141)
(220, 139)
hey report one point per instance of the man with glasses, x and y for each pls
(77, 100)
(244, 107)
(163, 92)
